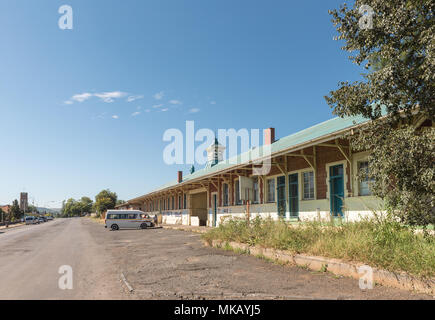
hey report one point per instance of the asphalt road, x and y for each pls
(157, 264)
(30, 258)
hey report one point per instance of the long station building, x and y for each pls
(313, 175)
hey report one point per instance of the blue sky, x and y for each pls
(221, 63)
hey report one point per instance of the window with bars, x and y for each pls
(185, 201)
(308, 185)
(271, 190)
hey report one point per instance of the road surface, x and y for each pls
(157, 264)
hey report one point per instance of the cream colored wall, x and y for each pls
(169, 219)
(356, 208)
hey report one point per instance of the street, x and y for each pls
(156, 264)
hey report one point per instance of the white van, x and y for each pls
(128, 219)
(31, 220)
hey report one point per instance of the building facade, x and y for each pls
(312, 176)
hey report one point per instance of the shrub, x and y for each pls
(383, 243)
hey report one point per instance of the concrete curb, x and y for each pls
(11, 226)
(400, 280)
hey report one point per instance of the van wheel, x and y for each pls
(143, 226)
(114, 227)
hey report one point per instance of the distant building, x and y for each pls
(24, 202)
(5, 210)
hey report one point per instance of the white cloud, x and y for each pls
(147, 110)
(157, 106)
(115, 116)
(175, 102)
(212, 102)
(165, 109)
(134, 114)
(133, 98)
(81, 97)
(194, 110)
(104, 96)
(159, 95)
(109, 97)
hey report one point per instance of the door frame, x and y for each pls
(328, 183)
(284, 200)
(214, 205)
(297, 173)
(345, 177)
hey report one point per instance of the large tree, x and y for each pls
(86, 204)
(105, 200)
(394, 41)
(75, 208)
(14, 212)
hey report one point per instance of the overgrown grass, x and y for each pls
(385, 243)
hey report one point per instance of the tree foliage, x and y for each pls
(76, 208)
(119, 202)
(399, 52)
(396, 91)
(105, 200)
(15, 213)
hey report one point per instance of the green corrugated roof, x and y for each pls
(299, 138)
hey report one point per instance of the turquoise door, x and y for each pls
(336, 184)
(214, 210)
(281, 196)
(293, 195)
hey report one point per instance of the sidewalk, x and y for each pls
(12, 226)
(186, 228)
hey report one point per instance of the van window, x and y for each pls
(132, 216)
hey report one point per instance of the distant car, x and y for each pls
(41, 219)
(128, 219)
(31, 220)
(49, 218)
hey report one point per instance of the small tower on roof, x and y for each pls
(215, 154)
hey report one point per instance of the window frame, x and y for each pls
(256, 191)
(225, 195)
(268, 189)
(367, 180)
(311, 173)
(237, 199)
